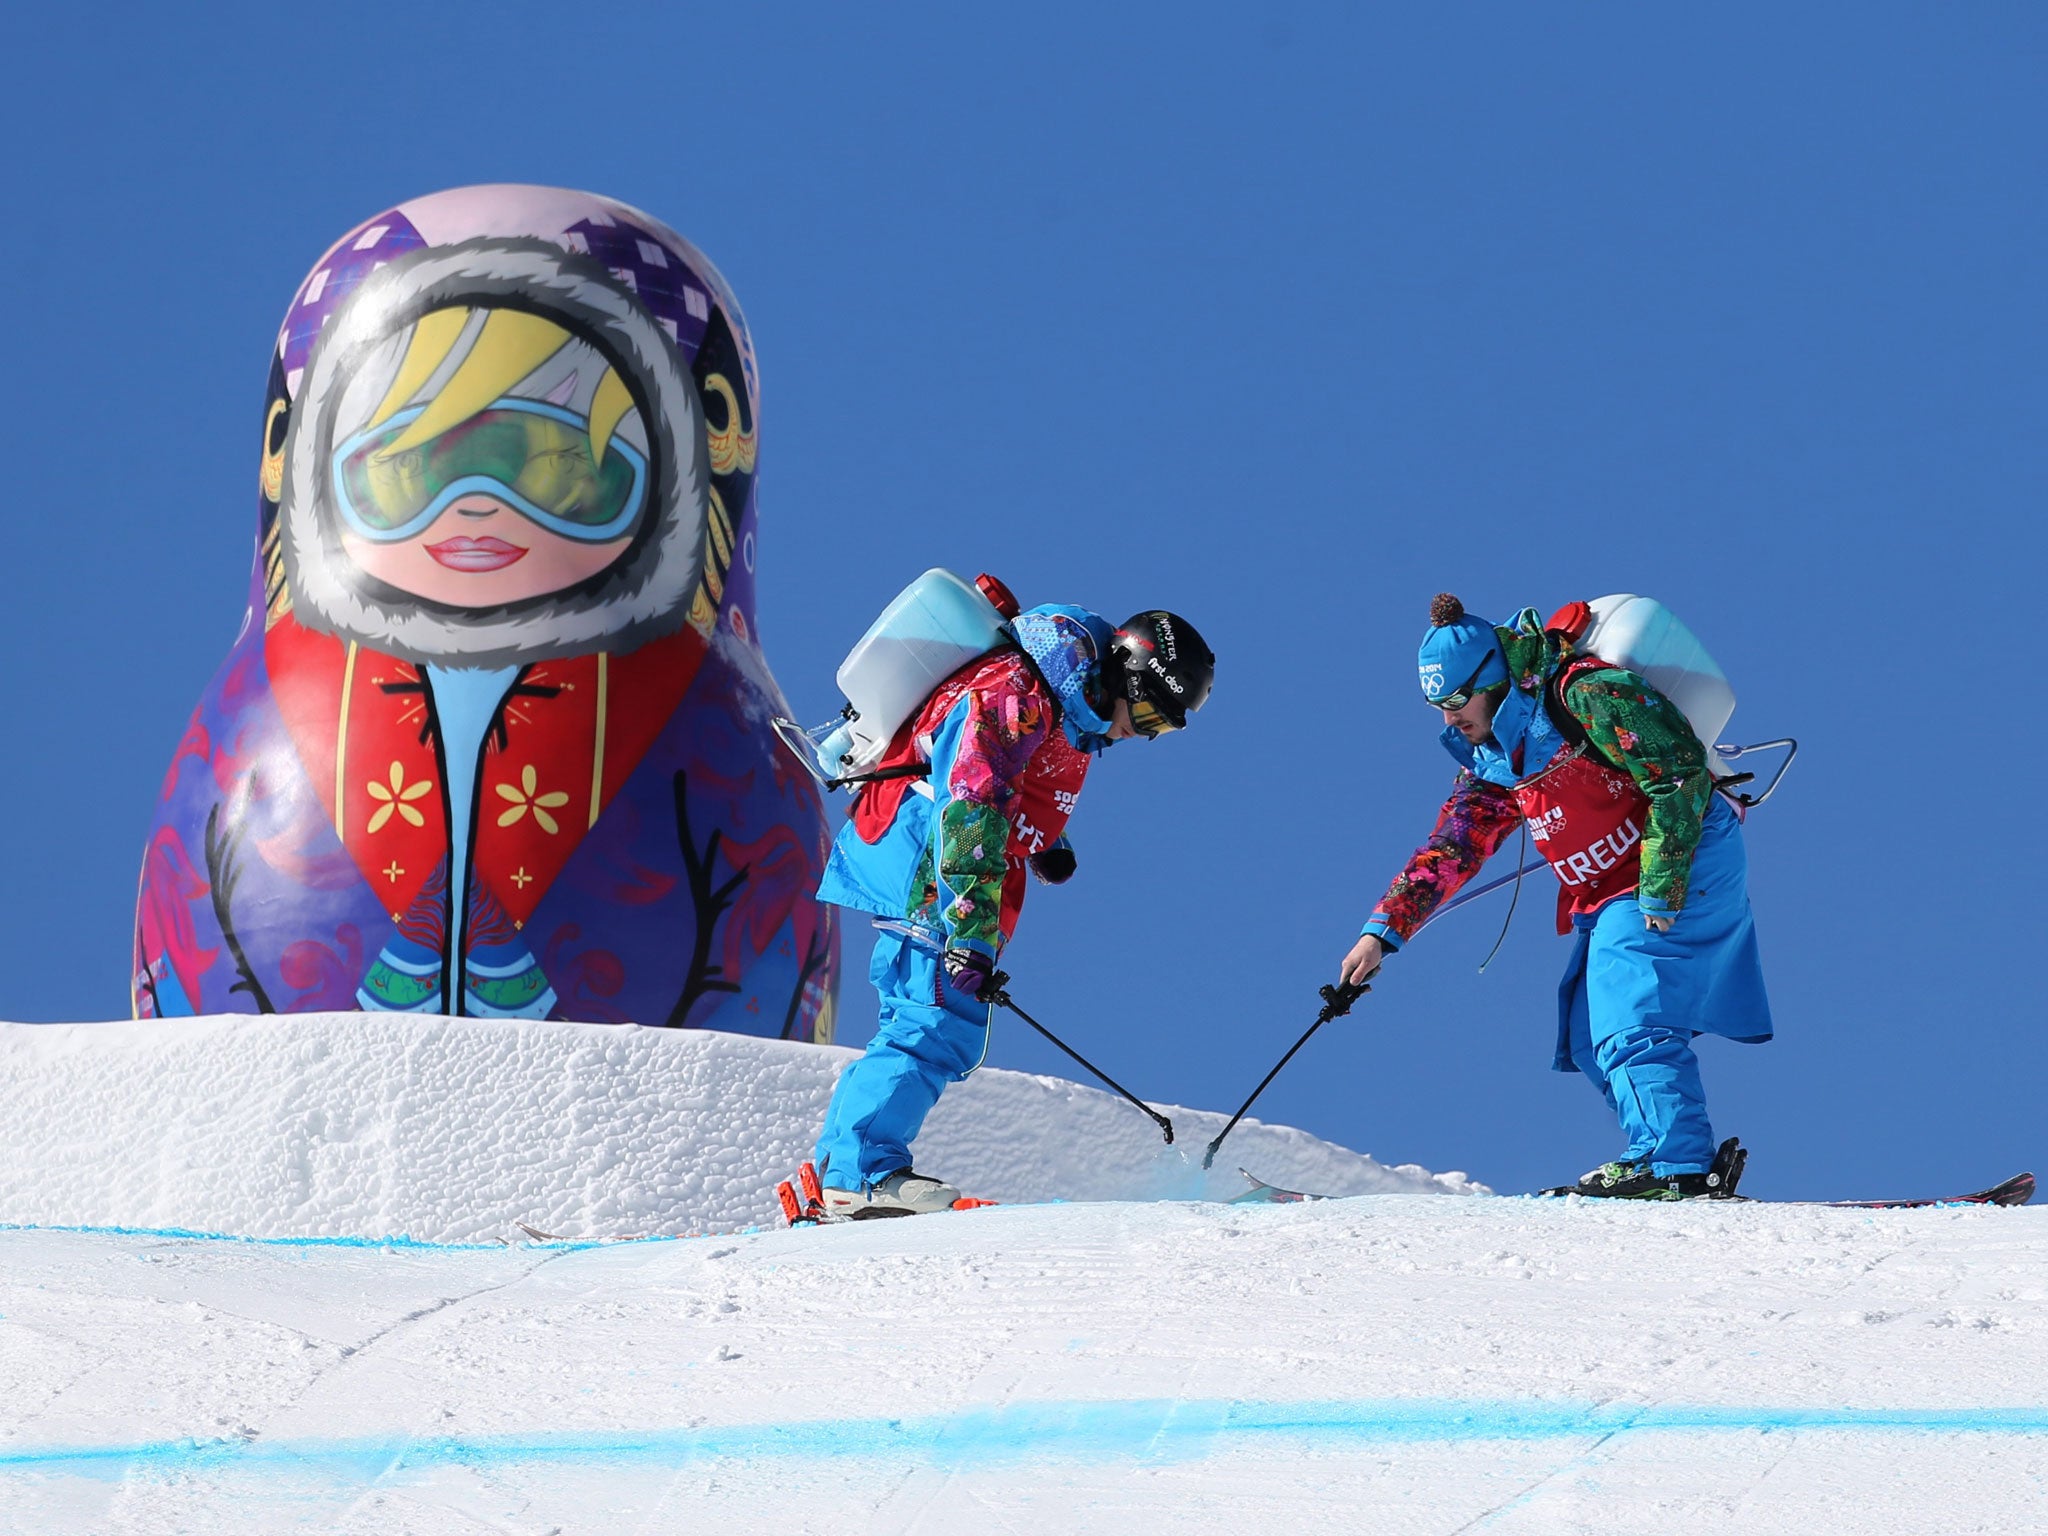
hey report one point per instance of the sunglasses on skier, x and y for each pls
(1149, 720)
(1461, 695)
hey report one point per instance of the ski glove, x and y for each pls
(1054, 865)
(967, 971)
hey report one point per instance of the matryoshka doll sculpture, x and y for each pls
(494, 738)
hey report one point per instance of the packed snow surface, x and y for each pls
(1380, 1364)
(1383, 1364)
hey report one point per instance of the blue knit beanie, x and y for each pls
(1458, 651)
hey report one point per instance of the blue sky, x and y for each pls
(1286, 323)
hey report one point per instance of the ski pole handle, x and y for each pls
(1337, 1000)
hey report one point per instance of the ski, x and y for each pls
(1262, 1193)
(2015, 1191)
(1732, 1157)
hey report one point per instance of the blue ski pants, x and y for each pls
(929, 1034)
(1632, 1000)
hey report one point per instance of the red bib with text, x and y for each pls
(1051, 786)
(1587, 819)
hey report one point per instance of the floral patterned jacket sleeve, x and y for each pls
(1003, 729)
(1473, 824)
(1645, 735)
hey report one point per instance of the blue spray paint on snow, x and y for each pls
(188, 1234)
(1164, 1430)
(552, 1244)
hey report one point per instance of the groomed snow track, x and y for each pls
(1382, 1364)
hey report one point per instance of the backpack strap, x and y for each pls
(1574, 731)
(1568, 724)
(916, 770)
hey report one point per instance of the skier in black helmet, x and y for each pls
(940, 858)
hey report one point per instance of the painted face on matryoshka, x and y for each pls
(505, 460)
(496, 457)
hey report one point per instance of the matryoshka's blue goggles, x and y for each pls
(532, 456)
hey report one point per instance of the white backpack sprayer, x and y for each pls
(933, 628)
(1642, 635)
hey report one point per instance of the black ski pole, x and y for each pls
(996, 992)
(1337, 1002)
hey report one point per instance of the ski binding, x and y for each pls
(803, 1202)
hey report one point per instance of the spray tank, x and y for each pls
(933, 628)
(1642, 635)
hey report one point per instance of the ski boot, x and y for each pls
(902, 1193)
(1633, 1180)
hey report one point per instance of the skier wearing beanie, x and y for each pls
(976, 787)
(1615, 790)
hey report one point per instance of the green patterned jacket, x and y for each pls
(1627, 722)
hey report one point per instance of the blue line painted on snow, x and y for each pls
(1151, 1431)
(187, 1234)
(553, 1245)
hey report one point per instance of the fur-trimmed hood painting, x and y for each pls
(494, 738)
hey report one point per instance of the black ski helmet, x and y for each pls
(1156, 657)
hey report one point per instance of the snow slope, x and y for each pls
(1380, 1364)
(450, 1130)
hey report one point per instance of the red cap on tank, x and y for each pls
(1571, 621)
(1005, 602)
